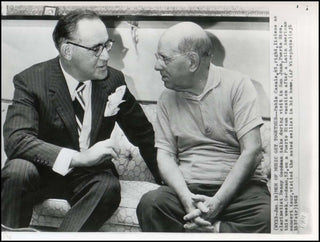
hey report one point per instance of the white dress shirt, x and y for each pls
(64, 157)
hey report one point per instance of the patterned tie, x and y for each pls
(79, 105)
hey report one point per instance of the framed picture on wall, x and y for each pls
(49, 11)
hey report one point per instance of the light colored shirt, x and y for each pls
(204, 131)
(64, 157)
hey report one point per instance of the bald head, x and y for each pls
(187, 36)
(183, 58)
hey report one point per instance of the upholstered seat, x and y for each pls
(51, 212)
(135, 180)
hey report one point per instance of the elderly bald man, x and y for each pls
(209, 146)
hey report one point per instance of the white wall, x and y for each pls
(246, 45)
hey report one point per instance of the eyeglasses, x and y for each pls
(166, 60)
(97, 49)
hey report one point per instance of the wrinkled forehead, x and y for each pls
(168, 43)
(179, 33)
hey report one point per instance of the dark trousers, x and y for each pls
(248, 212)
(93, 193)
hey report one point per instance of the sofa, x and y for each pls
(135, 180)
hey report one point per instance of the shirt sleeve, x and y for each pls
(62, 163)
(245, 107)
(164, 138)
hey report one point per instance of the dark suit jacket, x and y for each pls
(41, 120)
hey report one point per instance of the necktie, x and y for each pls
(79, 105)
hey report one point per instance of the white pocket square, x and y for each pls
(114, 100)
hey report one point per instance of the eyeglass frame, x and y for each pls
(164, 59)
(97, 54)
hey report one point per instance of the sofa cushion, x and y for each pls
(51, 212)
(130, 164)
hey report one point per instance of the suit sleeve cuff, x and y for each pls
(62, 163)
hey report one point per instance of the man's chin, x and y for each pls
(173, 88)
(101, 75)
(169, 86)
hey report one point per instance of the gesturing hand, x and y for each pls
(93, 156)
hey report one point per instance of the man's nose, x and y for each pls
(157, 66)
(104, 54)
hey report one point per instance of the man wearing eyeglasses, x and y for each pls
(209, 149)
(57, 131)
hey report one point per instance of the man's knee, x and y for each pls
(145, 204)
(111, 190)
(149, 201)
(20, 171)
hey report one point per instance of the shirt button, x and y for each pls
(208, 130)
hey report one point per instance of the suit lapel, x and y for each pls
(99, 98)
(101, 89)
(62, 100)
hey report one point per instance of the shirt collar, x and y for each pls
(213, 82)
(71, 82)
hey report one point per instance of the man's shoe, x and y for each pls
(8, 229)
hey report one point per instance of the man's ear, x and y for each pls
(66, 51)
(194, 61)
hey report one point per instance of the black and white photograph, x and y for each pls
(159, 120)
